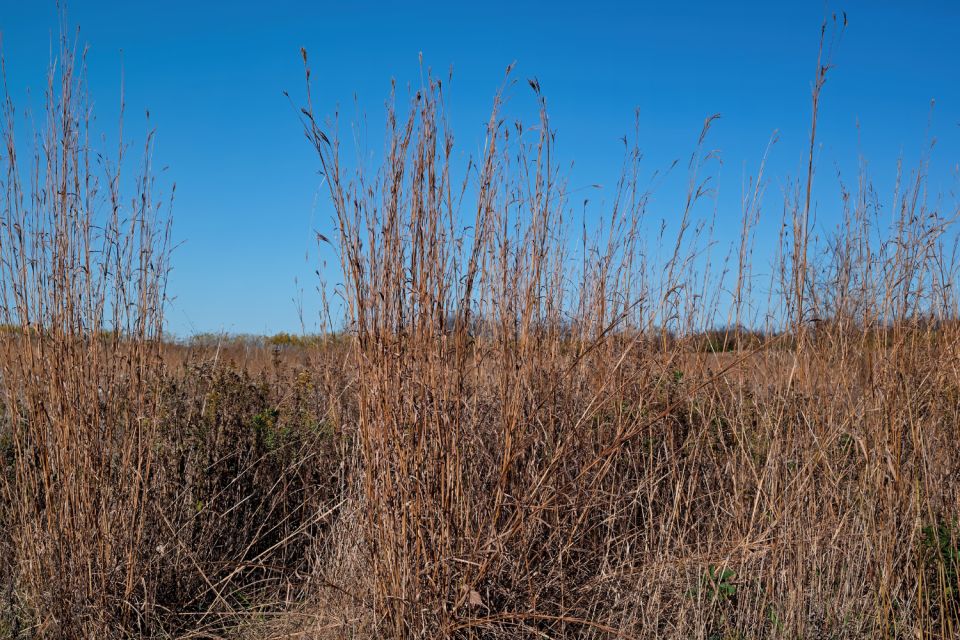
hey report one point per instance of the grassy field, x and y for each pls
(513, 432)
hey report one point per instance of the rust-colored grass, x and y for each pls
(520, 430)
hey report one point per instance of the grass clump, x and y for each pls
(82, 282)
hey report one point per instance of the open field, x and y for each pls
(517, 429)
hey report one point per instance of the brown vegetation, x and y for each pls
(515, 436)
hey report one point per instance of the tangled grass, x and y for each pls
(518, 433)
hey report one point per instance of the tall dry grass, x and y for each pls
(148, 490)
(543, 453)
(529, 426)
(83, 264)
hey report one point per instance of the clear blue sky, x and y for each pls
(212, 75)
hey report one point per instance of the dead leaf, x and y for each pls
(475, 599)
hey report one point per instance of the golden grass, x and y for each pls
(516, 435)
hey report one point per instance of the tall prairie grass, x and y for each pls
(82, 280)
(524, 428)
(543, 451)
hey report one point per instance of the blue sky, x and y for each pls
(248, 194)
